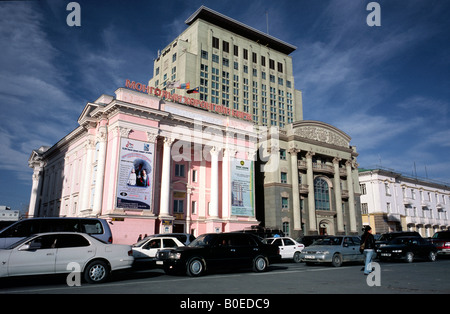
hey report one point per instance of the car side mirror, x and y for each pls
(33, 246)
(25, 247)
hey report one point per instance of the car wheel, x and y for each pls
(297, 257)
(337, 260)
(96, 272)
(432, 256)
(195, 267)
(260, 264)
(409, 257)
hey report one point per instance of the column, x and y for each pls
(100, 177)
(86, 185)
(165, 178)
(114, 151)
(338, 196)
(226, 184)
(38, 167)
(311, 201)
(214, 197)
(295, 189)
(351, 197)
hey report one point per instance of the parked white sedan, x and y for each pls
(289, 248)
(146, 249)
(51, 253)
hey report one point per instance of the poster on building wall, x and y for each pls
(135, 186)
(242, 187)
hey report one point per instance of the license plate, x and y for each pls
(159, 262)
(385, 254)
(310, 257)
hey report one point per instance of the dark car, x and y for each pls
(218, 251)
(385, 238)
(408, 249)
(441, 240)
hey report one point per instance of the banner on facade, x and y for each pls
(135, 182)
(242, 187)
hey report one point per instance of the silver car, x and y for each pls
(54, 253)
(334, 250)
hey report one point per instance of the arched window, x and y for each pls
(321, 194)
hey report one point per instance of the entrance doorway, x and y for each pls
(178, 228)
(326, 227)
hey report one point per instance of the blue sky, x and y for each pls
(388, 87)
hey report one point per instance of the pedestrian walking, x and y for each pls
(367, 246)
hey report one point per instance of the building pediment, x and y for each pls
(320, 132)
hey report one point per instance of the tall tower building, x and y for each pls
(233, 65)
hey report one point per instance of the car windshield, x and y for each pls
(385, 237)
(16, 244)
(203, 240)
(329, 241)
(141, 242)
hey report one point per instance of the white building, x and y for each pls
(391, 201)
(8, 215)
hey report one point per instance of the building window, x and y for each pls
(179, 170)
(225, 62)
(226, 46)
(236, 50)
(284, 202)
(364, 208)
(363, 188)
(194, 207)
(283, 177)
(388, 189)
(178, 206)
(271, 64)
(321, 194)
(245, 54)
(282, 154)
(194, 175)
(215, 42)
(280, 67)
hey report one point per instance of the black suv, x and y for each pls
(218, 251)
(388, 237)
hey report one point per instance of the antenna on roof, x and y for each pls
(267, 22)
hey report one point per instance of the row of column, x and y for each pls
(164, 210)
(311, 200)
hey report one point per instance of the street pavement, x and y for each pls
(282, 278)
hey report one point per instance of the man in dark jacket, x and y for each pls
(368, 243)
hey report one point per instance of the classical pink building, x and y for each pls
(150, 162)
